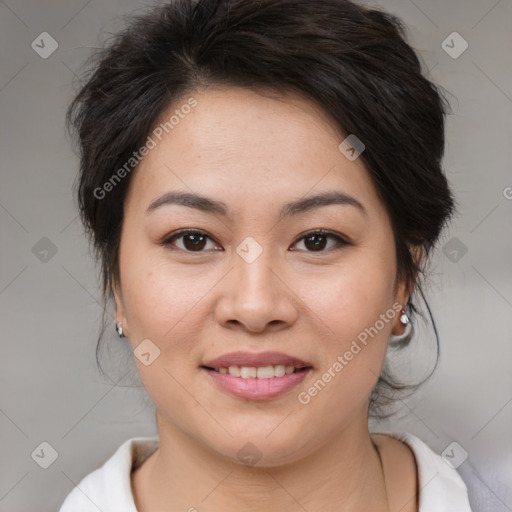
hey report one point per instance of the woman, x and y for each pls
(262, 182)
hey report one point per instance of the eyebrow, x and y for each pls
(213, 206)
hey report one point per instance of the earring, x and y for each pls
(404, 318)
(405, 337)
(119, 330)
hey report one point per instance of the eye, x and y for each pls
(196, 241)
(193, 240)
(316, 240)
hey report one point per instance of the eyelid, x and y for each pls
(342, 241)
(186, 231)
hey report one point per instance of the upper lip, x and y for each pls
(252, 359)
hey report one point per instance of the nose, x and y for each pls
(256, 297)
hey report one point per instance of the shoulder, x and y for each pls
(440, 486)
(108, 488)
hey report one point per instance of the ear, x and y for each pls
(404, 290)
(118, 297)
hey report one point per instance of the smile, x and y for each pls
(256, 383)
(258, 372)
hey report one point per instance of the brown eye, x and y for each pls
(192, 241)
(316, 241)
(197, 241)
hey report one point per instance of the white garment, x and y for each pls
(108, 488)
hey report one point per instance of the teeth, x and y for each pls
(260, 372)
(265, 372)
(248, 373)
(279, 370)
(234, 370)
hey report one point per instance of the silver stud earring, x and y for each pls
(404, 338)
(404, 318)
(119, 330)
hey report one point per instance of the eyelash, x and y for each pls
(322, 232)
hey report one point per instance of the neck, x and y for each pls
(345, 474)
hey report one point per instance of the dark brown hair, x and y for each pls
(353, 61)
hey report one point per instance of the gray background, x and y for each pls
(50, 389)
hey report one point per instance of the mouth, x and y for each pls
(254, 364)
(256, 376)
(258, 372)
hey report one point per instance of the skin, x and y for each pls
(255, 152)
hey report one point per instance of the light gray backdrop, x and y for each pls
(50, 390)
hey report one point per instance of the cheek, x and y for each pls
(353, 309)
(350, 297)
(170, 304)
(163, 305)
(160, 298)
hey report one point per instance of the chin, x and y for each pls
(256, 447)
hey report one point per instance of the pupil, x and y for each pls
(196, 241)
(316, 244)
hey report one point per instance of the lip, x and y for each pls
(252, 359)
(257, 389)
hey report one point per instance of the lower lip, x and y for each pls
(257, 389)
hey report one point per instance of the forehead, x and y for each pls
(249, 147)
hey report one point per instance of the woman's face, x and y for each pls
(255, 280)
